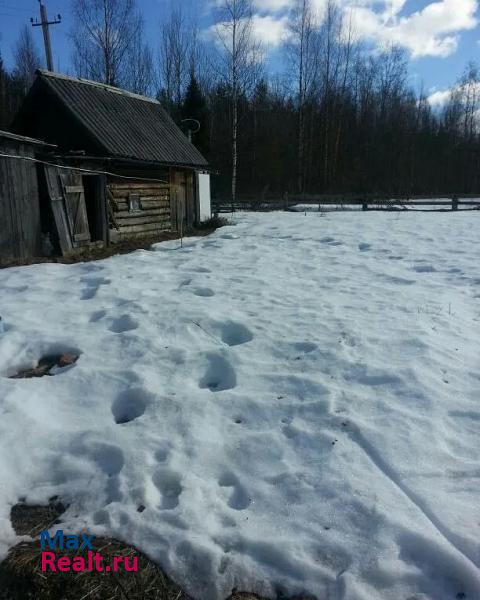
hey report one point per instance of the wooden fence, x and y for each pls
(439, 202)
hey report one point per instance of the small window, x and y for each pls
(134, 204)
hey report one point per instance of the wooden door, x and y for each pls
(55, 195)
(74, 195)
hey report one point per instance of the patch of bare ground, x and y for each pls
(21, 577)
(123, 247)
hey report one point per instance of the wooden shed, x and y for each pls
(121, 168)
(20, 219)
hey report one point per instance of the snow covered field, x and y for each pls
(293, 399)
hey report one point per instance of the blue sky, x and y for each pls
(441, 36)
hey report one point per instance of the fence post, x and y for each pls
(455, 203)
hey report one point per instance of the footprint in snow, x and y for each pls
(203, 292)
(305, 347)
(219, 374)
(162, 455)
(424, 269)
(364, 247)
(168, 483)
(109, 459)
(97, 315)
(235, 334)
(122, 324)
(93, 284)
(130, 405)
(238, 498)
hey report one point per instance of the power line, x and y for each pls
(45, 24)
(89, 171)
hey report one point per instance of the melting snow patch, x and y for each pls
(291, 410)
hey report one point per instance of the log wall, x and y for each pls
(152, 217)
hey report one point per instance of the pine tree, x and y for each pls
(195, 107)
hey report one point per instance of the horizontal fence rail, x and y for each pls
(365, 201)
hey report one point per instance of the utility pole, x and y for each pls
(45, 24)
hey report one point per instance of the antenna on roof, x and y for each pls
(44, 23)
(190, 130)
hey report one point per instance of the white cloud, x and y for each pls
(432, 31)
(439, 98)
(270, 30)
(272, 5)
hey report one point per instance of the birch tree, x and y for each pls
(240, 62)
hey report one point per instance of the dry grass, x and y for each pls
(21, 577)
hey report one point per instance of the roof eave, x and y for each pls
(137, 161)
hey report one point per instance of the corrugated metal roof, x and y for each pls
(126, 125)
(24, 139)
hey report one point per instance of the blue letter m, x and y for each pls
(52, 542)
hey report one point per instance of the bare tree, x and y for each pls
(331, 59)
(201, 60)
(241, 62)
(174, 57)
(302, 50)
(27, 58)
(139, 71)
(469, 93)
(102, 35)
(347, 50)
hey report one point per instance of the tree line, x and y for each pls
(336, 117)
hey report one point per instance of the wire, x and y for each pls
(91, 171)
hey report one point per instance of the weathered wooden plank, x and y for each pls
(128, 185)
(161, 198)
(76, 208)
(52, 179)
(139, 220)
(146, 205)
(126, 214)
(118, 236)
(144, 191)
(145, 185)
(112, 207)
(147, 227)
